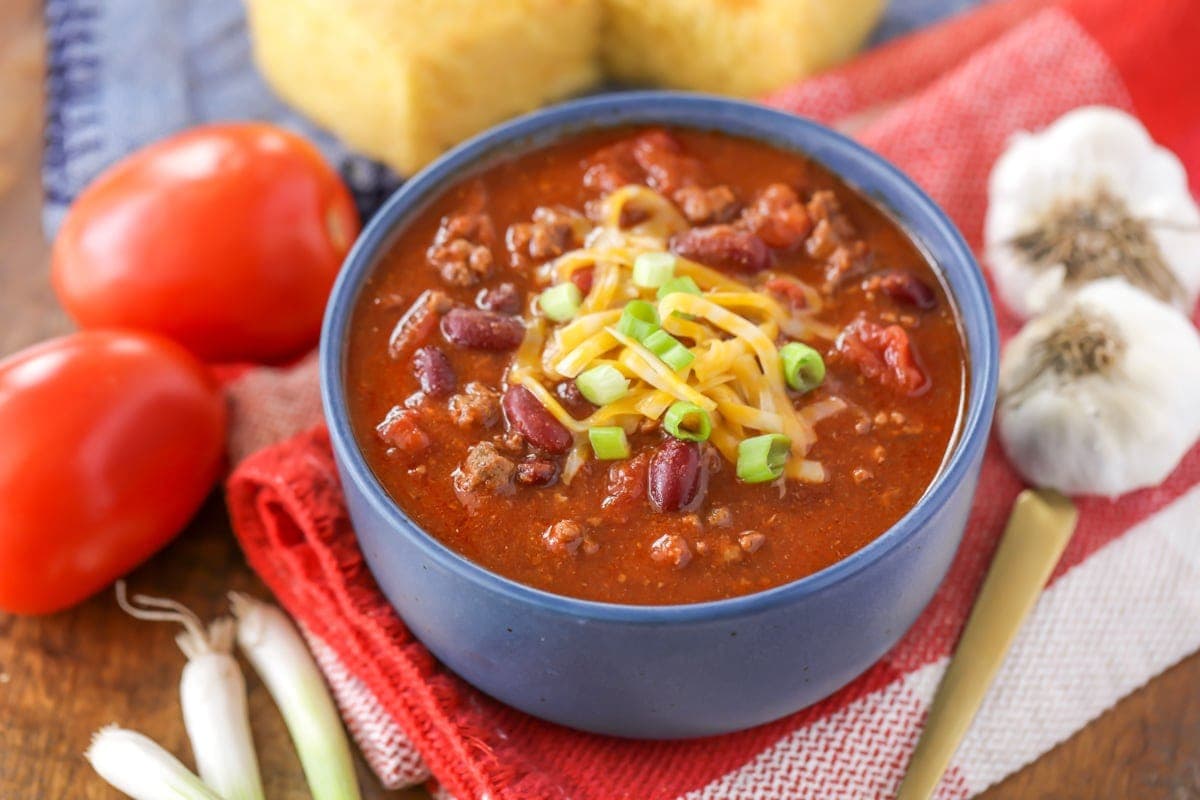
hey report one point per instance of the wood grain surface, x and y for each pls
(64, 676)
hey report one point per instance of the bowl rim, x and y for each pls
(567, 119)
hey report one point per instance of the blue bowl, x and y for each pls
(683, 670)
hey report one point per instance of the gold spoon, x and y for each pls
(1038, 529)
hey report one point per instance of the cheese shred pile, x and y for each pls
(730, 328)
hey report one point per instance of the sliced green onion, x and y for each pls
(761, 458)
(683, 283)
(803, 367)
(609, 442)
(561, 302)
(688, 421)
(638, 320)
(669, 349)
(274, 647)
(652, 270)
(602, 385)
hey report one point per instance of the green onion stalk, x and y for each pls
(212, 695)
(134, 764)
(274, 647)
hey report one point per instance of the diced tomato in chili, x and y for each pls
(401, 429)
(883, 354)
(582, 278)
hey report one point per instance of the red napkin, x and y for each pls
(940, 105)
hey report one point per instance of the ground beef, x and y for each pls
(478, 405)
(706, 206)
(461, 251)
(537, 472)
(512, 441)
(720, 517)
(833, 241)
(751, 541)
(848, 261)
(778, 217)
(484, 470)
(552, 232)
(671, 549)
(654, 158)
(612, 167)
(564, 537)
(831, 227)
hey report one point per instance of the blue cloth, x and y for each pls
(121, 73)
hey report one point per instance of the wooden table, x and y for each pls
(64, 676)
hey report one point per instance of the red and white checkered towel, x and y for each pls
(1123, 605)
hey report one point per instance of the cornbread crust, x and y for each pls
(734, 47)
(404, 80)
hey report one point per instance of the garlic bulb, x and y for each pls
(1089, 197)
(1100, 395)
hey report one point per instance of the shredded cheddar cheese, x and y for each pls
(730, 329)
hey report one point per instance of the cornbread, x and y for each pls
(735, 47)
(403, 80)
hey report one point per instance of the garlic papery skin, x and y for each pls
(1102, 395)
(1090, 196)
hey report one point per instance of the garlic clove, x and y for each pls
(1099, 395)
(1090, 196)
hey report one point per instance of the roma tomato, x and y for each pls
(110, 442)
(225, 238)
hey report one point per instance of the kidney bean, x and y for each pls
(779, 217)
(573, 400)
(503, 299)
(667, 167)
(483, 330)
(907, 289)
(525, 413)
(678, 479)
(723, 247)
(433, 370)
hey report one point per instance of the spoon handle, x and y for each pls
(1038, 529)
